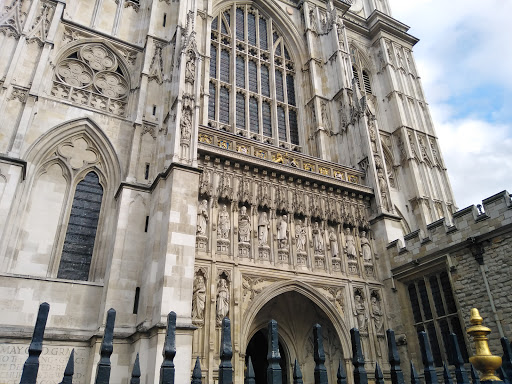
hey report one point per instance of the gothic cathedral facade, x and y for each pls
(251, 159)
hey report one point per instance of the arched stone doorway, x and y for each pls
(296, 315)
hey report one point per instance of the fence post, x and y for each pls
(379, 377)
(507, 357)
(107, 347)
(196, 373)
(428, 360)
(341, 374)
(135, 379)
(226, 353)
(31, 366)
(70, 369)
(503, 375)
(474, 375)
(250, 377)
(460, 372)
(319, 355)
(397, 376)
(274, 374)
(360, 376)
(414, 375)
(167, 367)
(297, 374)
(446, 375)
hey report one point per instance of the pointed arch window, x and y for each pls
(80, 237)
(359, 72)
(93, 76)
(259, 83)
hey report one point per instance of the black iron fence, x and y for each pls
(274, 374)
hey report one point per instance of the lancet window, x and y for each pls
(359, 72)
(91, 75)
(252, 78)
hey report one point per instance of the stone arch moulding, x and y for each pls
(307, 291)
(106, 167)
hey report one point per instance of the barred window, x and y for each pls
(358, 71)
(262, 78)
(435, 312)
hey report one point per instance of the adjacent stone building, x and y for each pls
(252, 159)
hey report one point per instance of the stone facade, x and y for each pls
(215, 158)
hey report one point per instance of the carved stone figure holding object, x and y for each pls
(263, 225)
(202, 217)
(223, 223)
(282, 232)
(318, 240)
(350, 247)
(377, 314)
(365, 248)
(300, 235)
(360, 313)
(244, 226)
(198, 299)
(333, 243)
(222, 301)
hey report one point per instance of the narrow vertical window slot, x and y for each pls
(165, 20)
(146, 225)
(146, 172)
(154, 110)
(136, 301)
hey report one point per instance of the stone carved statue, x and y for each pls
(263, 225)
(333, 243)
(318, 239)
(377, 315)
(223, 223)
(198, 299)
(365, 248)
(300, 235)
(202, 217)
(190, 67)
(360, 313)
(350, 246)
(282, 232)
(244, 226)
(222, 301)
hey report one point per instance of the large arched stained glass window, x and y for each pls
(252, 78)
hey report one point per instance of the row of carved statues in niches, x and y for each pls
(358, 306)
(301, 198)
(271, 236)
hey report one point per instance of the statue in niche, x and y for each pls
(222, 301)
(318, 239)
(333, 243)
(186, 125)
(282, 232)
(223, 223)
(383, 189)
(360, 313)
(198, 299)
(244, 226)
(365, 248)
(202, 217)
(350, 246)
(377, 315)
(190, 67)
(263, 226)
(300, 235)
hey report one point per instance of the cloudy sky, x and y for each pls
(465, 60)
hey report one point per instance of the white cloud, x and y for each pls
(464, 58)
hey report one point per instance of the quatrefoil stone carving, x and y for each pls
(78, 153)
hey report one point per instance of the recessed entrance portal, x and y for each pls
(295, 315)
(257, 350)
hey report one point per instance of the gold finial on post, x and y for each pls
(483, 360)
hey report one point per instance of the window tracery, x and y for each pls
(91, 75)
(252, 78)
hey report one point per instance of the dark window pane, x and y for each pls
(253, 115)
(224, 105)
(251, 28)
(356, 76)
(224, 65)
(215, 24)
(445, 336)
(267, 119)
(448, 294)
(424, 300)
(457, 329)
(414, 303)
(213, 61)
(281, 123)
(240, 28)
(275, 37)
(253, 76)
(366, 81)
(278, 50)
(211, 102)
(434, 345)
(279, 86)
(240, 72)
(286, 54)
(265, 82)
(294, 131)
(81, 232)
(263, 34)
(240, 110)
(436, 295)
(290, 89)
(228, 19)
